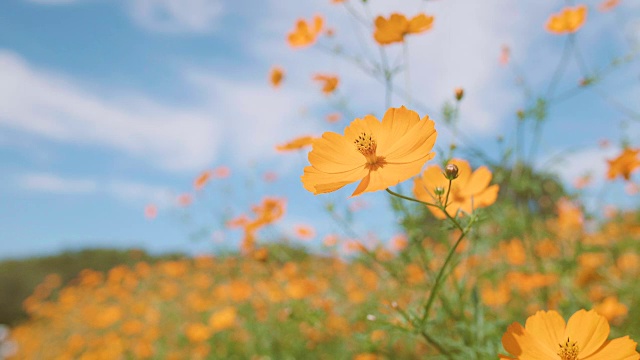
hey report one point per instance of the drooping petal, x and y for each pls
(319, 182)
(548, 327)
(589, 329)
(393, 174)
(622, 348)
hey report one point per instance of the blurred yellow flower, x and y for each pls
(223, 319)
(305, 34)
(469, 190)
(329, 82)
(202, 179)
(275, 76)
(394, 29)
(546, 336)
(296, 144)
(625, 164)
(612, 309)
(608, 5)
(380, 154)
(569, 20)
(197, 332)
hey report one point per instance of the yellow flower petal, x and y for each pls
(319, 182)
(589, 329)
(487, 197)
(548, 327)
(524, 345)
(478, 181)
(622, 348)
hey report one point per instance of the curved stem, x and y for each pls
(409, 198)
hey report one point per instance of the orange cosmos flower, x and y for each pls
(626, 163)
(185, 199)
(612, 309)
(304, 232)
(276, 75)
(304, 34)
(223, 319)
(296, 144)
(569, 20)
(394, 29)
(546, 336)
(329, 82)
(469, 190)
(221, 172)
(334, 117)
(202, 180)
(608, 5)
(380, 154)
(151, 211)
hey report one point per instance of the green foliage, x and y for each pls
(18, 278)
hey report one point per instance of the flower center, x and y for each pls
(367, 146)
(568, 351)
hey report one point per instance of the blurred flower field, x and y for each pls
(493, 258)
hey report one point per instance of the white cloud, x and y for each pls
(58, 108)
(51, 183)
(253, 116)
(137, 192)
(126, 191)
(592, 161)
(177, 15)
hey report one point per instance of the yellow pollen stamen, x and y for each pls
(366, 145)
(568, 351)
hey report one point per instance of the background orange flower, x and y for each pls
(569, 20)
(329, 82)
(397, 26)
(305, 34)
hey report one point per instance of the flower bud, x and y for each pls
(459, 93)
(451, 171)
(439, 190)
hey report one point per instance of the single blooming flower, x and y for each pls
(379, 154)
(569, 20)
(305, 33)
(623, 165)
(397, 26)
(469, 191)
(329, 82)
(276, 75)
(546, 336)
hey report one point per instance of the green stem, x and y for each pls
(410, 199)
(439, 278)
(435, 344)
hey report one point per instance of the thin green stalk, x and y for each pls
(439, 277)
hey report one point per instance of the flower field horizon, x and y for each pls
(431, 179)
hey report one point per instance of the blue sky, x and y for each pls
(108, 105)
